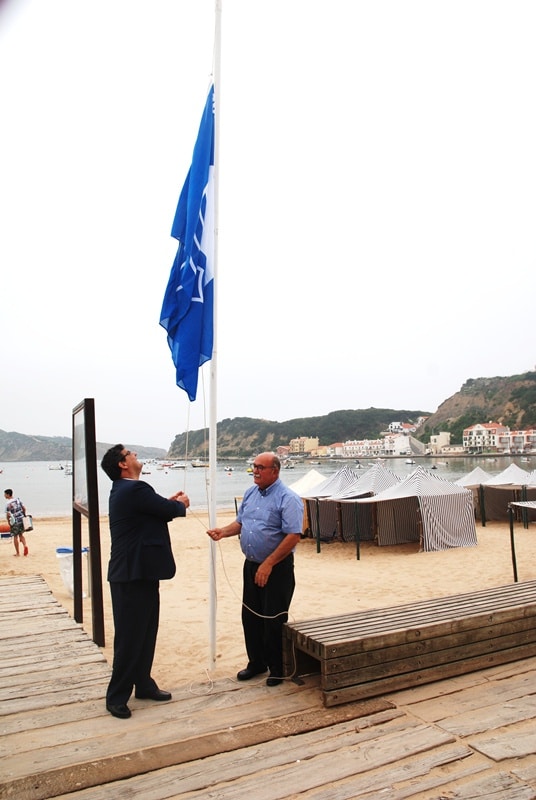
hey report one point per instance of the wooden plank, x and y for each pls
(49, 771)
(480, 720)
(515, 741)
(439, 672)
(325, 769)
(423, 646)
(426, 660)
(253, 765)
(325, 645)
(468, 692)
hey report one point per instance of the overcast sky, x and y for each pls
(377, 204)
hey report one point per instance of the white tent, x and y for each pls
(425, 508)
(473, 479)
(531, 480)
(511, 476)
(305, 485)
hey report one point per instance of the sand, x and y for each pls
(330, 582)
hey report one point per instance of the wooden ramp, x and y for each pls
(468, 737)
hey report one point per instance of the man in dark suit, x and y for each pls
(140, 557)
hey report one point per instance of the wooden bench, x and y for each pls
(368, 653)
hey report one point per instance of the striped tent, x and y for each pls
(326, 518)
(354, 521)
(340, 481)
(321, 516)
(427, 509)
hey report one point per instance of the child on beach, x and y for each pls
(15, 511)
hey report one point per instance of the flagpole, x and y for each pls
(213, 418)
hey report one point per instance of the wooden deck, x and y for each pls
(473, 736)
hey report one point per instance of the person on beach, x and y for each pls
(15, 511)
(140, 557)
(269, 522)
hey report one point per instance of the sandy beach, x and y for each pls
(330, 582)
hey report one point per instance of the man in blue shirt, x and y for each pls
(269, 522)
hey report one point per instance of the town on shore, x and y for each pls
(481, 439)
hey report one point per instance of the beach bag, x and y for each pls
(27, 523)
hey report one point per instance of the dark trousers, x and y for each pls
(136, 611)
(269, 606)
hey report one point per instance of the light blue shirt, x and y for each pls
(266, 517)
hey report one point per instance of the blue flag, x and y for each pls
(188, 308)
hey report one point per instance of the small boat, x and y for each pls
(410, 461)
(55, 466)
(177, 465)
(198, 462)
(228, 469)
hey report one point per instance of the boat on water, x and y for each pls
(198, 462)
(55, 466)
(410, 461)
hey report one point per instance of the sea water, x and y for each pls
(48, 492)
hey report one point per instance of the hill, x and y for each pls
(511, 401)
(241, 437)
(20, 447)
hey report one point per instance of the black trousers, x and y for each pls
(264, 611)
(136, 612)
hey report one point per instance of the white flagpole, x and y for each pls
(213, 419)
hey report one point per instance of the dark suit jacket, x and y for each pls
(141, 547)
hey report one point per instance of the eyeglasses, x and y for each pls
(261, 467)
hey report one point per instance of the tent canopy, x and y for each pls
(307, 483)
(341, 481)
(474, 478)
(373, 481)
(511, 476)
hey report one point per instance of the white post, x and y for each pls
(213, 419)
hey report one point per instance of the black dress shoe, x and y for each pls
(122, 711)
(273, 681)
(154, 694)
(249, 672)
